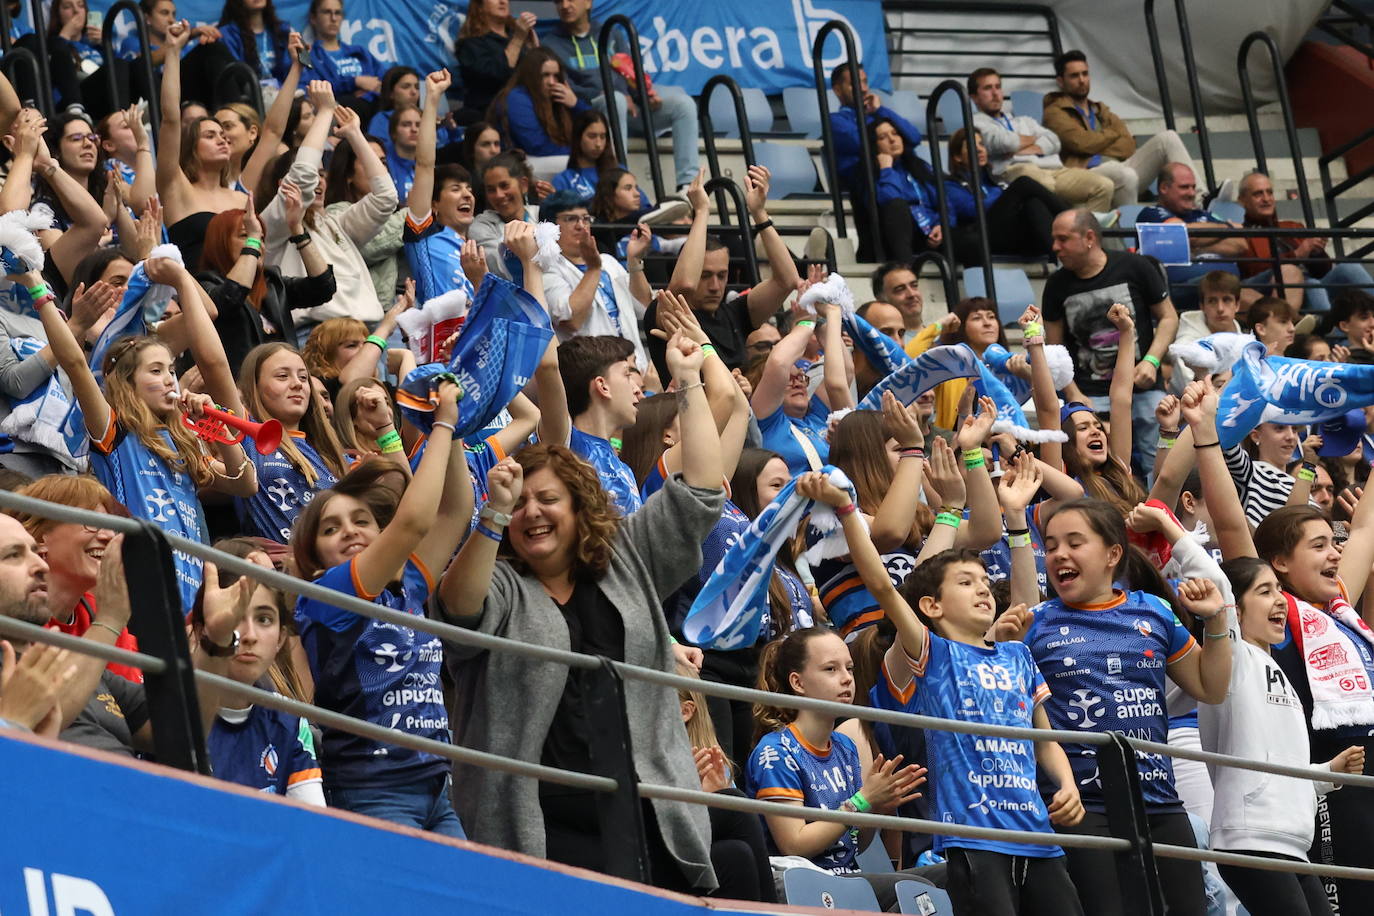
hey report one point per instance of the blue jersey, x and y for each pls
(616, 476)
(780, 434)
(377, 672)
(145, 485)
(980, 780)
(402, 172)
(282, 491)
(997, 558)
(783, 766)
(269, 750)
(435, 254)
(481, 458)
(1105, 665)
(849, 605)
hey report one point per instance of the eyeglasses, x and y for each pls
(83, 138)
(576, 219)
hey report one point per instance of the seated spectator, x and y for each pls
(1220, 293)
(1021, 145)
(1257, 197)
(506, 182)
(1177, 203)
(574, 39)
(404, 132)
(481, 142)
(535, 107)
(1311, 346)
(893, 216)
(1352, 314)
(351, 70)
(76, 64)
(590, 155)
(203, 57)
(489, 46)
(1019, 215)
(254, 34)
(1271, 321)
(1091, 135)
(75, 147)
(904, 176)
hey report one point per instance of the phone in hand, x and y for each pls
(95, 19)
(303, 56)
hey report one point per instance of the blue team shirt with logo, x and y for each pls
(784, 767)
(1105, 667)
(283, 491)
(997, 558)
(145, 485)
(616, 477)
(435, 254)
(980, 780)
(271, 751)
(378, 672)
(850, 606)
(777, 430)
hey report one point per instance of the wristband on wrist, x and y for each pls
(973, 459)
(379, 341)
(1019, 539)
(390, 442)
(39, 290)
(766, 224)
(44, 300)
(1307, 472)
(1033, 329)
(912, 451)
(446, 425)
(105, 626)
(1216, 444)
(947, 518)
(842, 511)
(806, 323)
(860, 803)
(251, 242)
(1225, 635)
(709, 350)
(634, 265)
(483, 530)
(1152, 360)
(250, 252)
(1168, 433)
(615, 443)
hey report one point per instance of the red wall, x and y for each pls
(1332, 89)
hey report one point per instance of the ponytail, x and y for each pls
(778, 660)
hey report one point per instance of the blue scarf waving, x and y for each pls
(144, 302)
(881, 351)
(1294, 392)
(731, 610)
(40, 416)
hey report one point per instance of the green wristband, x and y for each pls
(806, 323)
(974, 459)
(947, 518)
(1152, 360)
(709, 350)
(253, 243)
(860, 803)
(39, 291)
(379, 341)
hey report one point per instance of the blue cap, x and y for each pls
(1072, 408)
(1341, 435)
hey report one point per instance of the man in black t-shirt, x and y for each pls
(703, 269)
(1075, 306)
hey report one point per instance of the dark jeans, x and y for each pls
(1273, 893)
(740, 855)
(994, 883)
(1019, 222)
(1094, 871)
(572, 835)
(1345, 830)
(424, 805)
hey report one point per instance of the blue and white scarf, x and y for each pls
(1060, 362)
(1294, 392)
(40, 417)
(881, 351)
(143, 304)
(941, 364)
(730, 610)
(501, 343)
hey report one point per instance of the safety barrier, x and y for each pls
(24, 56)
(1130, 842)
(1341, 20)
(603, 54)
(980, 211)
(1252, 114)
(708, 129)
(145, 58)
(237, 80)
(952, 36)
(866, 193)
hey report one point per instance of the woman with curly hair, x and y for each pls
(552, 563)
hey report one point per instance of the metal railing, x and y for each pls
(1166, 101)
(239, 74)
(145, 59)
(943, 267)
(603, 53)
(24, 56)
(1338, 234)
(1341, 14)
(951, 36)
(867, 187)
(43, 77)
(1130, 841)
(1333, 191)
(708, 129)
(1252, 114)
(980, 213)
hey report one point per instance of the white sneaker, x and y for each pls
(1108, 219)
(818, 245)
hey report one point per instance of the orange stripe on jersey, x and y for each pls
(1188, 646)
(901, 694)
(304, 776)
(777, 792)
(1117, 599)
(861, 621)
(918, 668)
(1041, 694)
(424, 570)
(841, 588)
(415, 448)
(494, 444)
(106, 442)
(357, 584)
(419, 227)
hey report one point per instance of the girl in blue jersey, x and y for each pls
(241, 631)
(801, 760)
(275, 385)
(141, 451)
(943, 664)
(591, 154)
(1107, 650)
(359, 539)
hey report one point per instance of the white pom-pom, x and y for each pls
(1061, 365)
(40, 217)
(546, 238)
(833, 290)
(452, 304)
(418, 327)
(833, 421)
(1025, 434)
(18, 238)
(169, 251)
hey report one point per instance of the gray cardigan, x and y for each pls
(506, 703)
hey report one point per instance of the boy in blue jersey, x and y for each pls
(603, 398)
(944, 665)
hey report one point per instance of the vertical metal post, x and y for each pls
(619, 813)
(40, 34)
(933, 134)
(145, 58)
(868, 188)
(158, 624)
(1166, 101)
(1141, 894)
(21, 55)
(723, 186)
(603, 54)
(708, 130)
(1195, 94)
(1252, 114)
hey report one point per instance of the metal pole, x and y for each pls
(1252, 114)
(40, 34)
(1141, 894)
(145, 57)
(708, 131)
(1166, 101)
(1195, 94)
(868, 188)
(619, 812)
(947, 278)
(932, 106)
(19, 55)
(746, 230)
(603, 53)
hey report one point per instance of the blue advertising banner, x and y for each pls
(103, 838)
(764, 43)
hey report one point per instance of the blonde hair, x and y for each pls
(317, 430)
(324, 339)
(186, 453)
(701, 731)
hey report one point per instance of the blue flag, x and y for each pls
(144, 302)
(1294, 392)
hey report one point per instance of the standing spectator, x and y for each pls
(1177, 203)
(574, 40)
(439, 214)
(506, 181)
(1257, 197)
(1076, 301)
(1093, 137)
(403, 130)
(351, 69)
(535, 107)
(252, 33)
(1021, 145)
(489, 46)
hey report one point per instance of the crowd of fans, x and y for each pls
(1133, 576)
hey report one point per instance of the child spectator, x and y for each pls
(1271, 321)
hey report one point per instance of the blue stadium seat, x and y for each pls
(1014, 291)
(794, 174)
(1028, 102)
(951, 113)
(912, 107)
(808, 887)
(756, 109)
(1228, 210)
(1129, 213)
(874, 857)
(922, 899)
(803, 111)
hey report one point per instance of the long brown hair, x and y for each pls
(779, 659)
(346, 412)
(478, 23)
(744, 493)
(580, 124)
(185, 454)
(1113, 482)
(318, 432)
(604, 199)
(1135, 568)
(190, 159)
(642, 444)
(555, 120)
(376, 484)
(859, 448)
(595, 517)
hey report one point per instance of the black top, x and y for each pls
(728, 327)
(188, 234)
(242, 326)
(595, 628)
(1135, 281)
(117, 710)
(482, 64)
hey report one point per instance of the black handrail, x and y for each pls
(1185, 37)
(18, 55)
(43, 90)
(869, 187)
(145, 56)
(708, 132)
(603, 54)
(1353, 15)
(242, 73)
(6, 26)
(933, 138)
(1252, 114)
(1331, 192)
(947, 274)
(722, 184)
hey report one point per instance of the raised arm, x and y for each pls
(274, 124)
(1358, 554)
(88, 223)
(421, 197)
(364, 362)
(701, 465)
(1228, 522)
(836, 367)
(1042, 384)
(1121, 393)
(223, 611)
(294, 211)
(943, 472)
(892, 523)
(1020, 482)
(454, 514)
(17, 191)
(767, 297)
(772, 387)
(95, 410)
(145, 168)
(172, 185)
(687, 270)
(10, 105)
(984, 526)
(464, 586)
